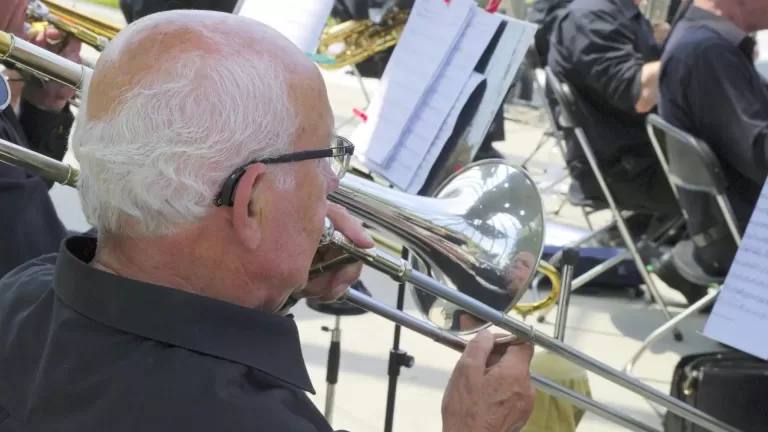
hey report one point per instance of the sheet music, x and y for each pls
(432, 31)
(422, 131)
(740, 315)
(301, 21)
(420, 174)
(509, 56)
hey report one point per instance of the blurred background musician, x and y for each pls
(607, 52)
(135, 9)
(29, 225)
(711, 89)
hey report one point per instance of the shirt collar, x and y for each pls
(266, 342)
(723, 26)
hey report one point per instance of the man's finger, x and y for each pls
(53, 36)
(349, 226)
(516, 356)
(346, 276)
(478, 349)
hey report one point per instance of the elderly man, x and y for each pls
(711, 89)
(29, 225)
(207, 151)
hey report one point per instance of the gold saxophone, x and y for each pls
(354, 41)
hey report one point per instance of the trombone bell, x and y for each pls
(481, 235)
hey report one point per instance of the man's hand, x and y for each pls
(332, 285)
(52, 96)
(488, 392)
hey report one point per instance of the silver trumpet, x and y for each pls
(471, 252)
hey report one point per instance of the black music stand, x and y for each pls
(474, 123)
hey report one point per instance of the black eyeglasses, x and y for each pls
(340, 153)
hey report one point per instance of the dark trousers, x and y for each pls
(636, 182)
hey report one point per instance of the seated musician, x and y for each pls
(711, 89)
(29, 225)
(606, 51)
(174, 319)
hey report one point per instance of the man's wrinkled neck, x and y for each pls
(191, 262)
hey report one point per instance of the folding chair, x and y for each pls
(691, 166)
(572, 194)
(570, 113)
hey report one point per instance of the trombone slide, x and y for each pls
(381, 260)
(458, 344)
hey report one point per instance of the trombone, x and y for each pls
(465, 242)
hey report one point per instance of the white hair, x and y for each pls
(160, 158)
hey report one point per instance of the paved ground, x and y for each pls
(608, 327)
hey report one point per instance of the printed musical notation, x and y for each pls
(423, 136)
(301, 21)
(433, 30)
(740, 315)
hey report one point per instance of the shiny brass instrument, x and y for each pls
(41, 62)
(89, 30)
(462, 245)
(351, 42)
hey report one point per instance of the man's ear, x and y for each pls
(245, 222)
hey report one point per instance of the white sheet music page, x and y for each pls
(508, 57)
(421, 173)
(432, 31)
(419, 136)
(740, 315)
(301, 21)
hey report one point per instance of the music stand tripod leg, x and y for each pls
(332, 370)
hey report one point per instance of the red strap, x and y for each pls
(493, 6)
(361, 115)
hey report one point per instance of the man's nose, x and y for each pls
(332, 184)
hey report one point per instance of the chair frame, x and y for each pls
(565, 99)
(654, 121)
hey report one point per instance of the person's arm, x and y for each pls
(612, 68)
(740, 118)
(47, 131)
(648, 95)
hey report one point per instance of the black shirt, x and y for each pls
(29, 225)
(599, 47)
(82, 350)
(545, 13)
(710, 88)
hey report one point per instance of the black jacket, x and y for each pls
(135, 9)
(29, 225)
